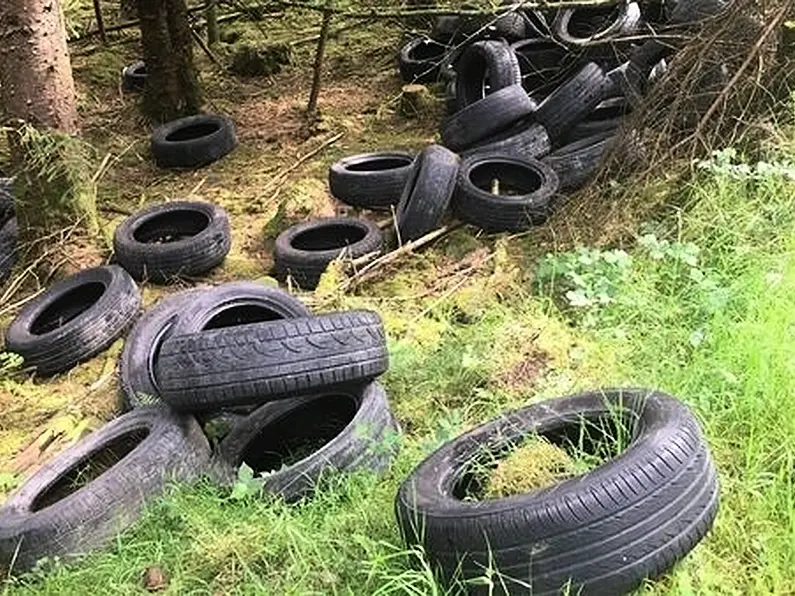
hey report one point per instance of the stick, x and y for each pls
(374, 267)
(211, 16)
(311, 108)
(100, 23)
(280, 177)
(203, 45)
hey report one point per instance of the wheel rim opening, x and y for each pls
(90, 468)
(379, 164)
(427, 50)
(171, 227)
(193, 131)
(329, 237)
(140, 70)
(66, 308)
(242, 314)
(299, 433)
(548, 458)
(513, 180)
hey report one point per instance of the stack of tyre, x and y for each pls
(213, 380)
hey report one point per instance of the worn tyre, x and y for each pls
(345, 430)
(524, 139)
(193, 142)
(427, 193)
(605, 531)
(484, 68)
(304, 251)
(74, 320)
(607, 117)
(370, 180)
(167, 241)
(571, 103)
(419, 60)
(579, 26)
(134, 76)
(120, 467)
(7, 210)
(526, 190)
(577, 162)
(486, 117)
(261, 362)
(9, 235)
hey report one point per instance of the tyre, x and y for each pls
(74, 320)
(342, 431)
(606, 118)
(510, 26)
(261, 362)
(523, 139)
(526, 189)
(419, 60)
(7, 210)
(691, 11)
(579, 26)
(136, 364)
(9, 234)
(604, 531)
(449, 29)
(164, 242)
(134, 76)
(304, 251)
(543, 65)
(427, 193)
(484, 68)
(85, 496)
(487, 117)
(370, 180)
(577, 162)
(193, 142)
(572, 102)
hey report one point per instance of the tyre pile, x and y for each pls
(533, 107)
(289, 394)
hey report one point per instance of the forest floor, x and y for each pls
(697, 302)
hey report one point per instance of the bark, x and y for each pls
(36, 84)
(172, 89)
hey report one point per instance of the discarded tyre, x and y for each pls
(603, 532)
(427, 193)
(74, 320)
(524, 138)
(370, 180)
(9, 234)
(193, 142)
(166, 241)
(579, 26)
(420, 59)
(304, 251)
(500, 192)
(571, 103)
(484, 68)
(83, 498)
(577, 162)
(485, 118)
(343, 431)
(134, 76)
(260, 362)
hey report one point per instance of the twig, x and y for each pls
(203, 45)
(743, 67)
(115, 209)
(311, 108)
(281, 176)
(100, 23)
(373, 268)
(12, 307)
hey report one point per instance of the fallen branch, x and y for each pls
(374, 267)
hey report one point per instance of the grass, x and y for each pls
(701, 306)
(705, 311)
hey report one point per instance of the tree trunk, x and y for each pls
(172, 89)
(37, 93)
(35, 74)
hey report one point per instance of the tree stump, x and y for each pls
(416, 101)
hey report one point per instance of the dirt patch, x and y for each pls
(527, 372)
